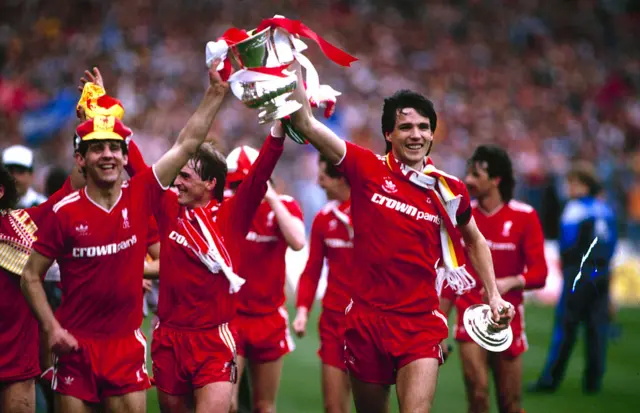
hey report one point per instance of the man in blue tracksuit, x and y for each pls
(584, 218)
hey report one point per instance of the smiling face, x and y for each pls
(411, 137)
(103, 162)
(193, 191)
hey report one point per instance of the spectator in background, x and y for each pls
(18, 160)
(585, 296)
(539, 78)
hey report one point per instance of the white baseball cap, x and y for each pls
(18, 155)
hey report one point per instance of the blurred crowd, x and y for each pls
(552, 81)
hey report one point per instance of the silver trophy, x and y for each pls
(266, 92)
(264, 78)
(480, 327)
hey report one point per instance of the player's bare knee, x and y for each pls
(334, 406)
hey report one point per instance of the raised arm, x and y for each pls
(194, 132)
(237, 213)
(319, 135)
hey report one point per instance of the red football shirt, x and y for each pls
(263, 261)
(330, 239)
(397, 235)
(190, 296)
(101, 256)
(516, 240)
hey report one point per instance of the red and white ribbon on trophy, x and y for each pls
(285, 30)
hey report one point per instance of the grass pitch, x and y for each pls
(300, 385)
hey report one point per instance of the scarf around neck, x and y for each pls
(434, 182)
(203, 235)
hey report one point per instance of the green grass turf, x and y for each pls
(300, 385)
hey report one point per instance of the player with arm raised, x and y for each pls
(404, 211)
(515, 238)
(98, 237)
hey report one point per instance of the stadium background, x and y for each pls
(552, 81)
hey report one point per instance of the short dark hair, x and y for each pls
(585, 173)
(209, 163)
(498, 164)
(10, 197)
(403, 99)
(330, 168)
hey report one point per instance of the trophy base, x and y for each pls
(273, 112)
(477, 323)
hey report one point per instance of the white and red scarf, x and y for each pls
(203, 236)
(436, 187)
(17, 234)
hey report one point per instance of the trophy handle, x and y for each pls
(291, 132)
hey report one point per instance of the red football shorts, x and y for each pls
(519, 345)
(264, 338)
(102, 367)
(378, 344)
(331, 328)
(187, 360)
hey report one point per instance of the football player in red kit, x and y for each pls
(331, 238)
(515, 238)
(262, 321)
(98, 237)
(407, 217)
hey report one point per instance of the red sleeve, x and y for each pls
(148, 188)
(50, 242)
(356, 163)
(463, 216)
(308, 284)
(535, 274)
(136, 161)
(236, 214)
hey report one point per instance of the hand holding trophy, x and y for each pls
(264, 76)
